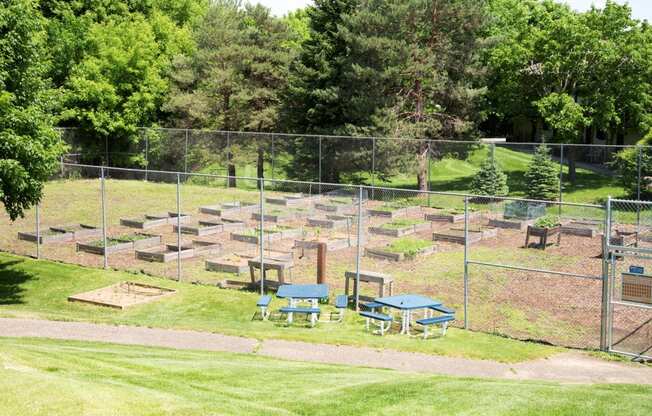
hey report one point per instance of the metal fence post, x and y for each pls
(178, 227)
(428, 179)
(146, 156)
(604, 311)
(561, 176)
(466, 262)
(373, 166)
(261, 236)
(320, 164)
(38, 230)
(103, 205)
(638, 170)
(185, 155)
(359, 251)
(273, 157)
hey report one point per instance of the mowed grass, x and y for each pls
(455, 175)
(45, 377)
(39, 289)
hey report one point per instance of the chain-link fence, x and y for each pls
(629, 295)
(520, 268)
(587, 172)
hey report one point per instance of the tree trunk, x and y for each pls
(539, 137)
(231, 170)
(572, 169)
(422, 167)
(260, 164)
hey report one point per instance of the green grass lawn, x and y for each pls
(45, 377)
(39, 289)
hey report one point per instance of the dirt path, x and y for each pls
(572, 367)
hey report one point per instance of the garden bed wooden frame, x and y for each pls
(401, 232)
(153, 220)
(456, 236)
(332, 244)
(151, 240)
(452, 218)
(381, 253)
(275, 236)
(50, 236)
(582, 228)
(331, 222)
(398, 212)
(229, 208)
(170, 252)
(79, 230)
(510, 224)
(210, 227)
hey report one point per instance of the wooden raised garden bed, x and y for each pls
(122, 295)
(335, 205)
(121, 243)
(456, 236)
(331, 221)
(232, 263)
(582, 228)
(151, 221)
(332, 244)
(211, 227)
(391, 212)
(170, 252)
(403, 249)
(229, 208)
(291, 200)
(400, 228)
(271, 234)
(510, 224)
(79, 230)
(451, 216)
(484, 232)
(543, 233)
(47, 235)
(277, 216)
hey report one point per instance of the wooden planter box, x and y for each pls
(291, 200)
(48, 236)
(393, 213)
(229, 264)
(400, 232)
(381, 253)
(334, 207)
(637, 288)
(276, 218)
(331, 245)
(582, 228)
(151, 240)
(456, 236)
(151, 221)
(79, 230)
(254, 239)
(452, 218)
(511, 224)
(331, 221)
(169, 252)
(204, 228)
(542, 233)
(484, 232)
(229, 208)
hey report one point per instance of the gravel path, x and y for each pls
(571, 367)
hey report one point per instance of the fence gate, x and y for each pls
(629, 264)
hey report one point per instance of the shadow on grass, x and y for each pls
(10, 282)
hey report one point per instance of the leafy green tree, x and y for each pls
(591, 67)
(489, 180)
(235, 78)
(542, 176)
(120, 84)
(29, 146)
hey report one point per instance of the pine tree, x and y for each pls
(490, 180)
(542, 176)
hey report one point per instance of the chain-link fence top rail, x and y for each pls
(587, 172)
(422, 241)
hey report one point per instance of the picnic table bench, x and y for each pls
(381, 279)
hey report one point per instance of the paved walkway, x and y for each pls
(571, 367)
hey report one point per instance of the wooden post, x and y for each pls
(321, 263)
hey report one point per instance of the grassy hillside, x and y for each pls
(42, 377)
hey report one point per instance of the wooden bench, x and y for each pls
(381, 279)
(281, 266)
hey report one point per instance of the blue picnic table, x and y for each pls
(407, 304)
(302, 293)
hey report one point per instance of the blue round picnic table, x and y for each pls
(406, 304)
